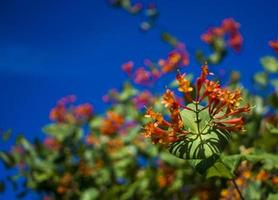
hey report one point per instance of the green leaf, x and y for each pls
(25, 143)
(219, 44)
(96, 122)
(269, 161)
(90, 194)
(202, 165)
(271, 128)
(170, 159)
(133, 133)
(261, 78)
(165, 36)
(128, 92)
(219, 170)
(254, 191)
(231, 161)
(272, 197)
(274, 83)
(7, 159)
(202, 141)
(59, 131)
(215, 58)
(270, 64)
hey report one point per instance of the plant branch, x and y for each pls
(238, 190)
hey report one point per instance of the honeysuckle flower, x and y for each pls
(128, 67)
(262, 175)
(51, 143)
(161, 131)
(145, 98)
(176, 59)
(228, 31)
(212, 32)
(111, 123)
(274, 45)
(91, 139)
(83, 110)
(166, 175)
(66, 112)
(142, 76)
(184, 84)
(235, 41)
(230, 26)
(221, 104)
(274, 180)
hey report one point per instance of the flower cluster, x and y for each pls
(162, 131)
(221, 104)
(111, 123)
(176, 59)
(151, 72)
(229, 29)
(66, 112)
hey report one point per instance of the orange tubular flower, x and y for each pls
(221, 104)
(184, 84)
(176, 59)
(162, 131)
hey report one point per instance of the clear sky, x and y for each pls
(49, 49)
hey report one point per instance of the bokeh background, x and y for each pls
(49, 49)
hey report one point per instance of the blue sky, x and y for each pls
(49, 49)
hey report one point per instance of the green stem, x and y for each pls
(197, 117)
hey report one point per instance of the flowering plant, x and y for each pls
(133, 150)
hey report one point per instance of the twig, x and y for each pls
(238, 190)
